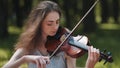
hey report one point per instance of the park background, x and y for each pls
(101, 26)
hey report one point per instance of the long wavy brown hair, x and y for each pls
(31, 36)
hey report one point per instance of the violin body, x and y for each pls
(75, 52)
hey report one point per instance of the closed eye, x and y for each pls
(50, 23)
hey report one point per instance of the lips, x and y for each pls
(54, 32)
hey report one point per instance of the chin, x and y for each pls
(52, 34)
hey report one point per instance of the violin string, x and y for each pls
(80, 38)
(74, 29)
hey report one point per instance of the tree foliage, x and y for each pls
(18, 10)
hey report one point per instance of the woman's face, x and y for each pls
(50, 24)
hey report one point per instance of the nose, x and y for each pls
(55, 27)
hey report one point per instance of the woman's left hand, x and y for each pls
(93, 57)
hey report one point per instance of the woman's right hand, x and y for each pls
(40, 61)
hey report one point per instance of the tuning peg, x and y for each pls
(109, 53)
(104, 50)
(110, 59)
(105, 62)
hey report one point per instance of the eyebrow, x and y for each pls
(53, 21)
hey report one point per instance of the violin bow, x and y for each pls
(74, 28)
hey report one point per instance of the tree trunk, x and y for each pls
(116, 10)
(89, 21)
(19, 12)
(22, 11)
(3, 18)
(27, 7)
(66, 8)
(104, 11)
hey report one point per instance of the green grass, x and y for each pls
(107, 37)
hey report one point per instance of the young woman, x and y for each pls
(30, 48)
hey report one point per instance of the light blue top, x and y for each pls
(57, 61)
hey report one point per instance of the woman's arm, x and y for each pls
(71, 62)
(17, 59)
(20, 57)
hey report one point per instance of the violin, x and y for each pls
(73, 46)
(53, 42)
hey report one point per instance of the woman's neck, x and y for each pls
(44, 36)
(42, 47)
(43, 40)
